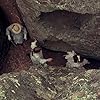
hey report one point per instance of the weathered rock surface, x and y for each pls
(50, 83)
(63, 30)
(79, 6)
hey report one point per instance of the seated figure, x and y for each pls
(16, 33)
(74, 60)
(37, 56)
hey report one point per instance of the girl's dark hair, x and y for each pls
(36, 49)
(76, 59)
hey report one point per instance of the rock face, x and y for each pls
(50, 83)
(79, 6)
(64, 24)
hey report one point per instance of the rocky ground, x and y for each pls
(50, 83)
(58, 25)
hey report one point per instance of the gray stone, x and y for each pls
(78, 6)
(50, 83)
(61, 30)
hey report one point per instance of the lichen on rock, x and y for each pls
(50, 83)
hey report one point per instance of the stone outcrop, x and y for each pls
(78, 6)
(64, 24)
(50, 83)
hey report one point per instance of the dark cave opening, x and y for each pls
(4, 43)
(60, 61)
(60, 18)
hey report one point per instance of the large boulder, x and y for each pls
(64, 24)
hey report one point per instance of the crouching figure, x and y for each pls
(36, 55)
(16, 33)
(74, 60)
